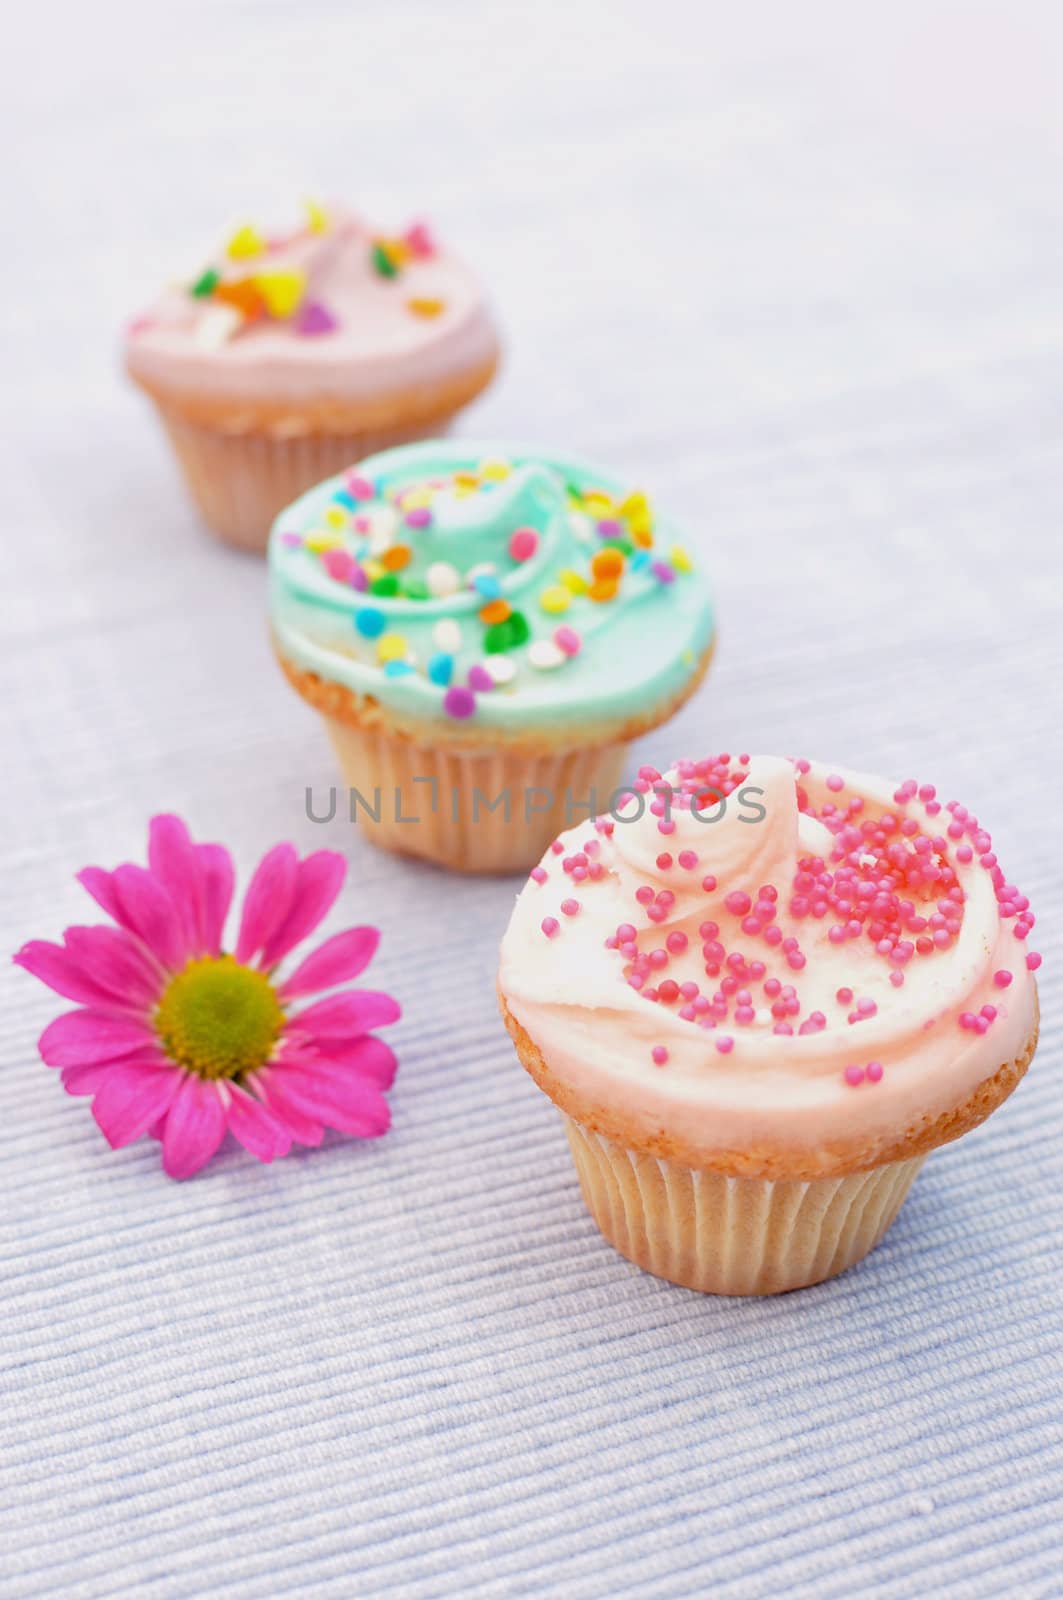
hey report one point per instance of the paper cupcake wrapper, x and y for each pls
(737, 1236)
(443, 804)
(242, 481)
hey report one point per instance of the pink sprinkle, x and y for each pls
(688, 860)
(724, 1043)
(854, 1075)
(459, 702)
(291, 539)
(315, 318)
(874, 1071)
(1033, 961)
(1002, 978)
(539, 874)
(361, 488)
(708, 883)
(567, 640)
(570, 907)
(664, 861)
(557, 847)
(419, 238)
(659, 1054)
(738, 902)
(550, 927)
(523, 543)
(676, 942)
(480, 679)
(835, 783)
(419, 517)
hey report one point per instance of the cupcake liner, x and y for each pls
(241, 481)
(433, 801)
(720, 1234)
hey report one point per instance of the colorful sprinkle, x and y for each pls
(523, 543)
(442, 579)
(607, 564)
(282, 289)
(503, 669)
(426, 306)
(245, 243)
(391, 647)
(568, 640)
(382, 260)
(545, 655)
(316, 319)
(370, 622)
(205, 284)
(446, 635)
(556, 599)
(440, 668)
(459, 702)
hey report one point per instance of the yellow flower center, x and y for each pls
(219, 1019)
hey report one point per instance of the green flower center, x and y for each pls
(219, 1019)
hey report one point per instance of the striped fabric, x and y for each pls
(802, 280)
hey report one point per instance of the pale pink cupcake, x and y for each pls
(761, 994)
(292, 355)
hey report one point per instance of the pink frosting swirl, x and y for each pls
(764, 951)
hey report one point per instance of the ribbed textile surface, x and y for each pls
(799, 271)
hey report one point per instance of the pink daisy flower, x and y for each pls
(178, 1038)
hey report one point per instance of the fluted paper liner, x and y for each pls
(736, 1236)
(242, 481)
(442, 802)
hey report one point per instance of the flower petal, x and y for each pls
(268, 900)
(131, 1099)
(172, 858)
(340, 1101)
(369, 1058)
(270, 1085)
(195, 1127)
(216, 868)
(89, 1079)
(255, 1126)
(346, 1016)
(118, 963)
(59, 969)
(338, 960)
(98, 884)
(319, 880)
(82, 1038)
(146, 909)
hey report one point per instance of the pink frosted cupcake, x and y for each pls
(290, 356)
(761, 994)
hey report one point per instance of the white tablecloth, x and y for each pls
(800, 275)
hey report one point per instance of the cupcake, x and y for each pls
(483, 632)
(761, 992)
(289, 356)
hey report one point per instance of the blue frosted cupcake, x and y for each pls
(483, 631)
